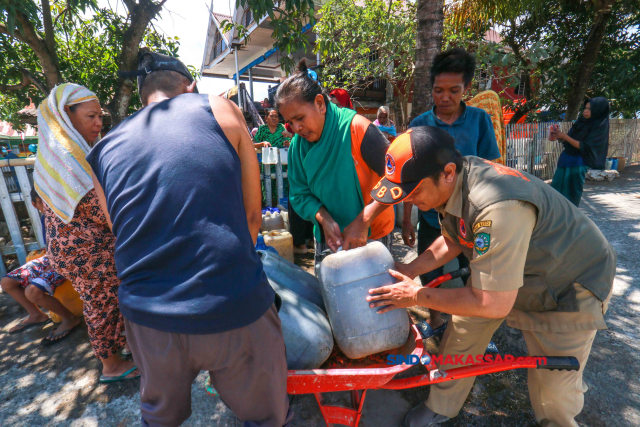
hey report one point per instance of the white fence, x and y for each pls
(529, 148)
(14, 192)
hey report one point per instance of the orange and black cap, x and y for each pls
(412, 157)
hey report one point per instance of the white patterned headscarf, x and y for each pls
(62, 176)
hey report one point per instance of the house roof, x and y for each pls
(492, 36)
(7, 130)
(219, 17)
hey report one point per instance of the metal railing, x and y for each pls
(21, 193)
(529, 148)
(249, 107)
(624, 140)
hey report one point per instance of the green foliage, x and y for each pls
(88, 51)
(616, 76)
(544, 45)
(9, 10)
(90, 48)
(287, 20)
(368, 40)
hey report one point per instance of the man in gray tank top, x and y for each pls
(536, 260)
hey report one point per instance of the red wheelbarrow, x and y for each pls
(373, 372)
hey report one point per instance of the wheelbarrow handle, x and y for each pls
(529, 362)
(566, 363)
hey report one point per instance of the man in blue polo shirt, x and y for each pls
(451, 75)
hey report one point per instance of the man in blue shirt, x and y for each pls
(451, 75)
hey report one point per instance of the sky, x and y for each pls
(189, 19)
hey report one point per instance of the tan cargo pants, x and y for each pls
(556, 396)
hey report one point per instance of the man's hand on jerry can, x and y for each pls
(355, 234)
(403, 294)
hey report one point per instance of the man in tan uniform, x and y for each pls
(536, 260)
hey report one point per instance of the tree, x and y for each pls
(39, 51)
(556, 48)
(430, 26)
(583, 68)
(362, 41)
(589, 55)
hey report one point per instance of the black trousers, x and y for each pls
(300, 229)
(426, 236)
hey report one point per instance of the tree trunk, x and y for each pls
(587, 64)
(430, 16)
(141, 15)
(48, 59)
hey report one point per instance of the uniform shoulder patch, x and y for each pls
(480, 224)
(482, 242)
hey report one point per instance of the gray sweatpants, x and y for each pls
(247, 365)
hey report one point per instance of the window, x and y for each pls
(219, 45)
(247, 18)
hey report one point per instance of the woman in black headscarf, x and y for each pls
(585, 146)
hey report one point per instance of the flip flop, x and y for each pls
(492, 348)
(105, 379)
(427, 331)
(54, 339)
(209, 388)
(26, 326)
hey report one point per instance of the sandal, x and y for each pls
(26, 326)
(105, 379)
(427, 331)
(53, 339)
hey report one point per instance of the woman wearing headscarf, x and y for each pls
(335, 160)
(341, 98)
(385, 124)
(80, 243)
(585, 146)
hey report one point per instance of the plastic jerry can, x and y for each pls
(292, 277)
(306, 330)
(285, 217)
(272, 221)
(282, 241)
(269, 155)
(260, 246)
(345, 279)
(284, 155)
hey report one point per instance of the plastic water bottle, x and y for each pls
(260, 246)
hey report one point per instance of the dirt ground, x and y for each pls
(58, 386)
